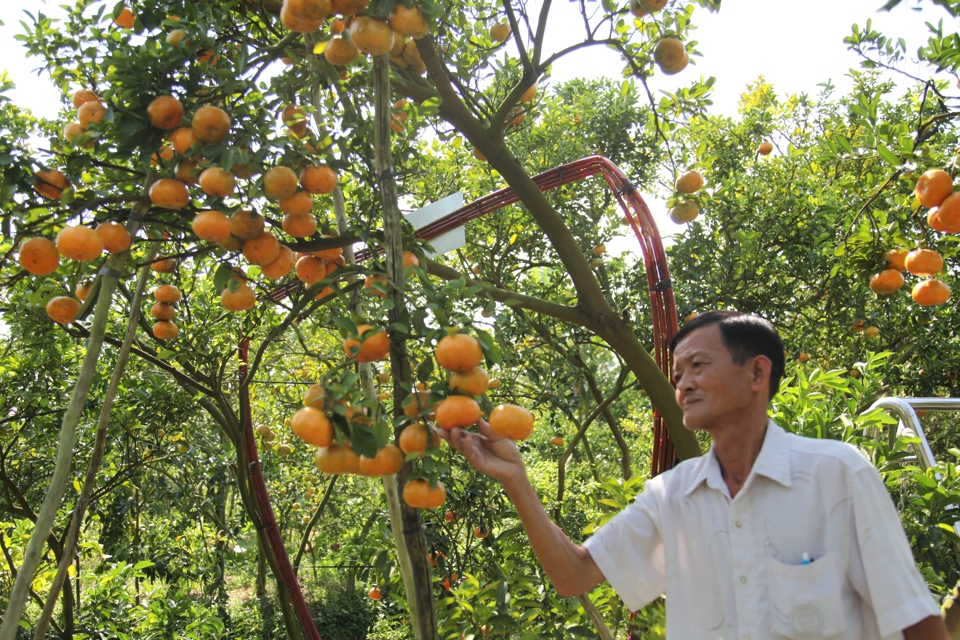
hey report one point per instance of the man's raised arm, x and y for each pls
(570, 567)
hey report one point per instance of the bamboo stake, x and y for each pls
(109, 276)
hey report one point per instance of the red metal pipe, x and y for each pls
(287, 577)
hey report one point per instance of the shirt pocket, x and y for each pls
(805, 600)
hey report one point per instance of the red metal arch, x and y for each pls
(662, 306)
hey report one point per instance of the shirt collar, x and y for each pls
(773, 462)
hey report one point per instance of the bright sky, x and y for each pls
(795, 46)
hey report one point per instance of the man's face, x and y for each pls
(710, 387)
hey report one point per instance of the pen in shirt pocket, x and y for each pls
(805, 558)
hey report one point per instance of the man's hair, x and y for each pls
(745, 336)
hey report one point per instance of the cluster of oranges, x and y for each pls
(687, 209)
(670, 54)
(41, 256)
(353, 35)
(934, 191)
(163, 311)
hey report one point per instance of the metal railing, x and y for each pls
(909, 425)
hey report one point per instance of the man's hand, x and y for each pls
(487, 452)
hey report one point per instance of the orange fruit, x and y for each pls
(337, 25)
(299, 225)
(165, 112)
(348, 7)
(420, 495)
(311, 269)
(329, 254)
(511, 421)
(165, 330)
(175, 37)
(165, 152)
(923, 262)
(374, 592)
(246, 224)
(80, 243)
(416, 437)
(318, 179)
(373, 284)
(212, 226)
(91, 113)
(371, 35)
(217, 183)
(313, 10)
(297, 24)
(471, 383)
(168, 193)
(337, 458)
(690, 182)
(895, 258)
(243, 299)
(340, 51)
(73, 129)
(50, 183)
(83, 96)
(298, 202)
(115, 237)
(210, 124)
(457, 411)
(500, 32)
(387, 462)
(39, 256)
(886, 282)
(410, 259)
(261, 250)
(295, 120)
(684, 212)
(164, 265)
(458, 352)
(933, 187)
(163, 311)
(375, 344)
(281, 266)
(408, 22)
(279, 182)
(182, 139)
(63, 309)
(929, 293)
(187, 171)
(670, 55)
(314, 397)
(493, 384)
(765, 148)
(417, 402)
(125, 19)
(556, 441)
(948, 213)
(481, 532)
(529, 94)
(82, 290)
(167, 293)
(312, 426)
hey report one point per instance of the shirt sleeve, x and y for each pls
(629, 552)
(895, 589)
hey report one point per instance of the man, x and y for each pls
(769, 535)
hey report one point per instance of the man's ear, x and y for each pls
(760, 370)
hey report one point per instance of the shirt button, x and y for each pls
(743, 579)
(739, 524)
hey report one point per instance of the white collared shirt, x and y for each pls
(733, 568)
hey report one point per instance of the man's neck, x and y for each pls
(737, 447)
